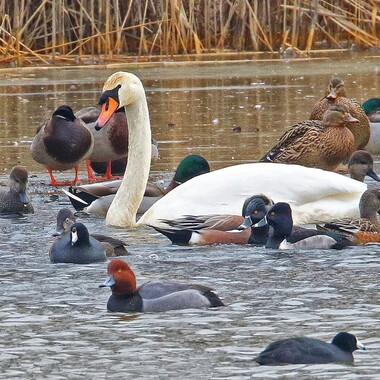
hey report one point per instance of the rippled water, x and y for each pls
(54, 322)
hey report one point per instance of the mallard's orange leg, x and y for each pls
(54, 182)
(108, 174)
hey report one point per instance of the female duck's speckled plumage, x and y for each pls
(336, 95)
(153, 296)
(253, 212)
(114, 247)
(304, 350)
(284, 236)
(365, 229)
(77, 247)
(62, 143)
(15, 199)
(313, 143)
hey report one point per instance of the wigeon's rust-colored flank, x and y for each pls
(313, 143)
(153, 296)
(336, 94)
(62, 143)
(365, 229)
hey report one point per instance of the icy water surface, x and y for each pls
(54, 322)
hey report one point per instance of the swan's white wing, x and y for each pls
(314, 194)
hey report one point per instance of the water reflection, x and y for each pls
(54, 319)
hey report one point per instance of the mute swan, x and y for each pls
(314, 194)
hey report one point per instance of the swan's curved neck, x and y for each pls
(122, 212)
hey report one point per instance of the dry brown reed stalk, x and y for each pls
(109, 28)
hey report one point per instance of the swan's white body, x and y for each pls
(314, 195)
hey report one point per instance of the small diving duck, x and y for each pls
(372, 110)
(305, 350)
(15, 198)
(360, 164)
(248, 233)
(336, 94)
(62, 143)
(113, 246)
(77, 247)
(285, 236)
(96, 198)
(313, 143)
(153, 296)
(364, 230)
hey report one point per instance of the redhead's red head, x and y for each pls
(121, 278)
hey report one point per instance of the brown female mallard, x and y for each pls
(314, 143)
(336, 95)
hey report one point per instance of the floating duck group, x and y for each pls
(240, 204)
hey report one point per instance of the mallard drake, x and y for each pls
(372, 109)
(113, 246)
(314, 143)
(366, 228)
(153, 296)
(96, 198)
(77, 247)
(336, 95)
(284, 236)
(253, 212)
(62, 143)
(360, 164)
(110, 142)
(315, 195)
(15, 199)
(304, 350)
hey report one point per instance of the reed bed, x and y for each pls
(66, 30)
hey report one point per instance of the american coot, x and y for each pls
(254, 212)
(15, 199)
(304, 350)
(316, 144)
(153, 296)
(77, 247)
(113, 246)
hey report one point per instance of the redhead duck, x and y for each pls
(110, 142)
(254, 211)
(153, 296)
(285, 236)
(305, 350)
(372, 110)
(113, 246)
(336, 95)
(15, 199)
(313, 143)
(315, 195)
(62, 143)
(360, 164)
(96, 198)
(364, 230)
(77, 247)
